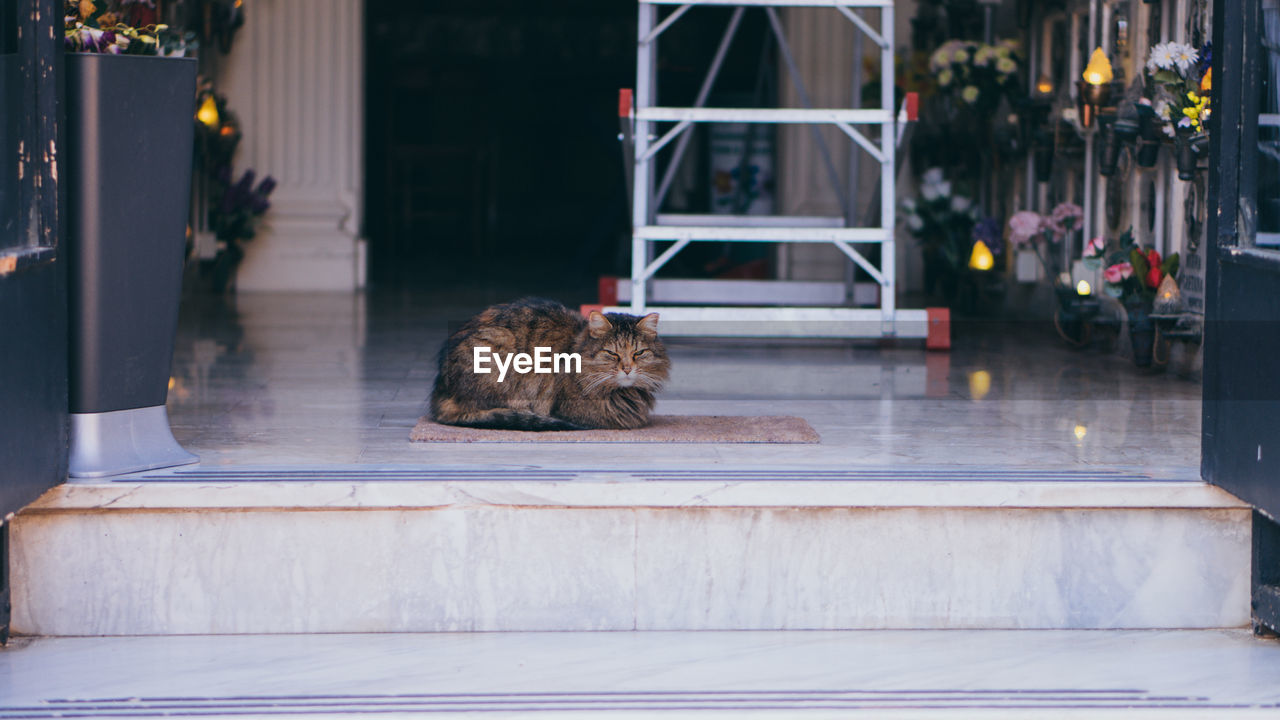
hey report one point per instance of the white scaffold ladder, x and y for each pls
(649, 227)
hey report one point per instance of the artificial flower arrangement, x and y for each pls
(234, 212)
(1131, 274)
(238, 205)
(1030, 230)
(1181, 81)
(975, 74)
(941, 220)
(120, 27)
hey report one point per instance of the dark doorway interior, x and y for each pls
(492, 150)
(492, 141)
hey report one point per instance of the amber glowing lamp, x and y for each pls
(1095, 87)
(208, 112)
(981, 258)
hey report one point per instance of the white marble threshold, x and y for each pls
(726, 487)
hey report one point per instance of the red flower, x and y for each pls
(1154, 276)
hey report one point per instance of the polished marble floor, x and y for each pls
(340, 379)
(875, 674)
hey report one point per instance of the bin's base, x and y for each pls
(123, 441)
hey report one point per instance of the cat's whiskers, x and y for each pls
(595, 380)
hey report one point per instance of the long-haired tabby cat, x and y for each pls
(623, 363)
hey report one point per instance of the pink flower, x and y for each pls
(1067, 211)
(1023, 226)
(1118, 273)
(1094, 247)
(1064, 218)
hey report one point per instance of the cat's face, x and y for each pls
(623, 351)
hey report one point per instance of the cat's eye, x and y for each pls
(612, 355)
(639, 353)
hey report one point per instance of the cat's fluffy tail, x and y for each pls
(506, 419)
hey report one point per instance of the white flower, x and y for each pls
(929, 191)
(940, 58)
(1006, 66)
(1162, 109)
(1184, 56)
(915, 223)
(909, 205)
(932, 176)
(961, 55)
(985, 55)
(969, 94)
(944, 189)
(1168, 130)
(960, 203)
(1161, 58)
(944, 78)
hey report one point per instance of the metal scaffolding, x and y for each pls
(651, 128)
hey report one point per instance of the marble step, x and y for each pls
(894, 675)
(334, 550)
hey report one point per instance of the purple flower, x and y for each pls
(266, 186)
(1206, 59)
(246, 182)
(988, 231)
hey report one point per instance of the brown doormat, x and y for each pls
(661, 429)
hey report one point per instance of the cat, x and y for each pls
(622, 365)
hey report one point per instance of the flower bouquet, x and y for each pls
(234, 212)
(943, 222)
(1181, 82)
(976, 75)
(121, 27)
(1041, 234)
(1135, 276)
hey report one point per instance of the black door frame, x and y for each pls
(33, 285)
(1240, 448)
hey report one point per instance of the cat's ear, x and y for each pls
(649, 324)
(598, 325)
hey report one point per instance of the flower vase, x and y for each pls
(1184, 148)
(130, 139)
(1150, 136)
(940, 278)
(1142, 332)
(1148, 153)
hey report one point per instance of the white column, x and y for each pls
(822, 43)
(295, 79)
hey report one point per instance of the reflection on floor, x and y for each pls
(308, 379)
